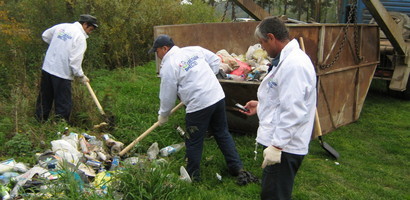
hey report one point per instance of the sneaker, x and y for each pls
(246, 177)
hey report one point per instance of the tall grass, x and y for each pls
(374, 150)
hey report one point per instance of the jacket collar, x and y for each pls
(79, 26)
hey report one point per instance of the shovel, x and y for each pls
(108, 121)
(325, 146)
(317, 127)
(154, 126)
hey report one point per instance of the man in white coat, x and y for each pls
(189, 73)
(285, 108)
(67, 45)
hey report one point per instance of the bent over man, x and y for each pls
(67, 45)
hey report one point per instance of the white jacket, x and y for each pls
(189, 72)
(287, 102)
(67, 45)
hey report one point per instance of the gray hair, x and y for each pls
(272, 25)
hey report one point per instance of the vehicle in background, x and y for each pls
(392, 16)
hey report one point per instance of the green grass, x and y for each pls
(374, 162)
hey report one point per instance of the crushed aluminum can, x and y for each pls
(93, 163)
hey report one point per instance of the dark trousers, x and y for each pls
(57, 90)
(278, 179)
(197, 124)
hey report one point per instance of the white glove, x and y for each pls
(84, 79)
(271, 156)
(162, 120)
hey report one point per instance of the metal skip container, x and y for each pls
(345, 58)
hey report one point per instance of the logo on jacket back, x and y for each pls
(189, 64)
(63, 35)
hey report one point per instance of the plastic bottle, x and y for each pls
(115, 146)
(108, 141)
(153, 151)
(235, 77)
(101, 155)
(92, 140)
(166, 151)
(7, 176)
(115, 162)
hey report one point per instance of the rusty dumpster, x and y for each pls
(345, 58)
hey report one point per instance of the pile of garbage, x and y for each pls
(252, 66)
(89, 159)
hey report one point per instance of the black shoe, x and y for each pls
(246, 177)
(234, 172)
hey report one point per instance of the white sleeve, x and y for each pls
(77, 55)
(212, 59)
(293, 85)
(48, 34)
(168, 89)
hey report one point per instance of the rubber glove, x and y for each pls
(271, 156)
(162, 120)
(84, 79)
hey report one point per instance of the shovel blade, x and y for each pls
(330, 150)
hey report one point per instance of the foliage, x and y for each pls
(129, 34)
(19, 145)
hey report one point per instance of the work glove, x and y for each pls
(84, 79)
(271, 156)
(162, 120)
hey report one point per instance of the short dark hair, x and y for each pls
(272, 25)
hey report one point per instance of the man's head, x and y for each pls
(89, 23)
(272, 35)
(161, 45)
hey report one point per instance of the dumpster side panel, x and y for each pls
(233, 37)
(343, 86)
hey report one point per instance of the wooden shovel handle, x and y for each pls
(154, 126)
(95, 98)
(317, 128)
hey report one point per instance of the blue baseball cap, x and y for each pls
(160, 41)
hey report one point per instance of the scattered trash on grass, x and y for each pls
(184, 175)
(89, 160)
(168, 150)
(219, 177)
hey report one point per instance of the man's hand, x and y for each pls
(251, 106)
(162, 120)
(84, 79)
(271, 156)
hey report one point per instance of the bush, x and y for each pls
(122, 40)
(19, 145)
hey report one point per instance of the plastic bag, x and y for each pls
(243, 69)
(227, 59)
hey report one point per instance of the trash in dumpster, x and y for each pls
(250, 67)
